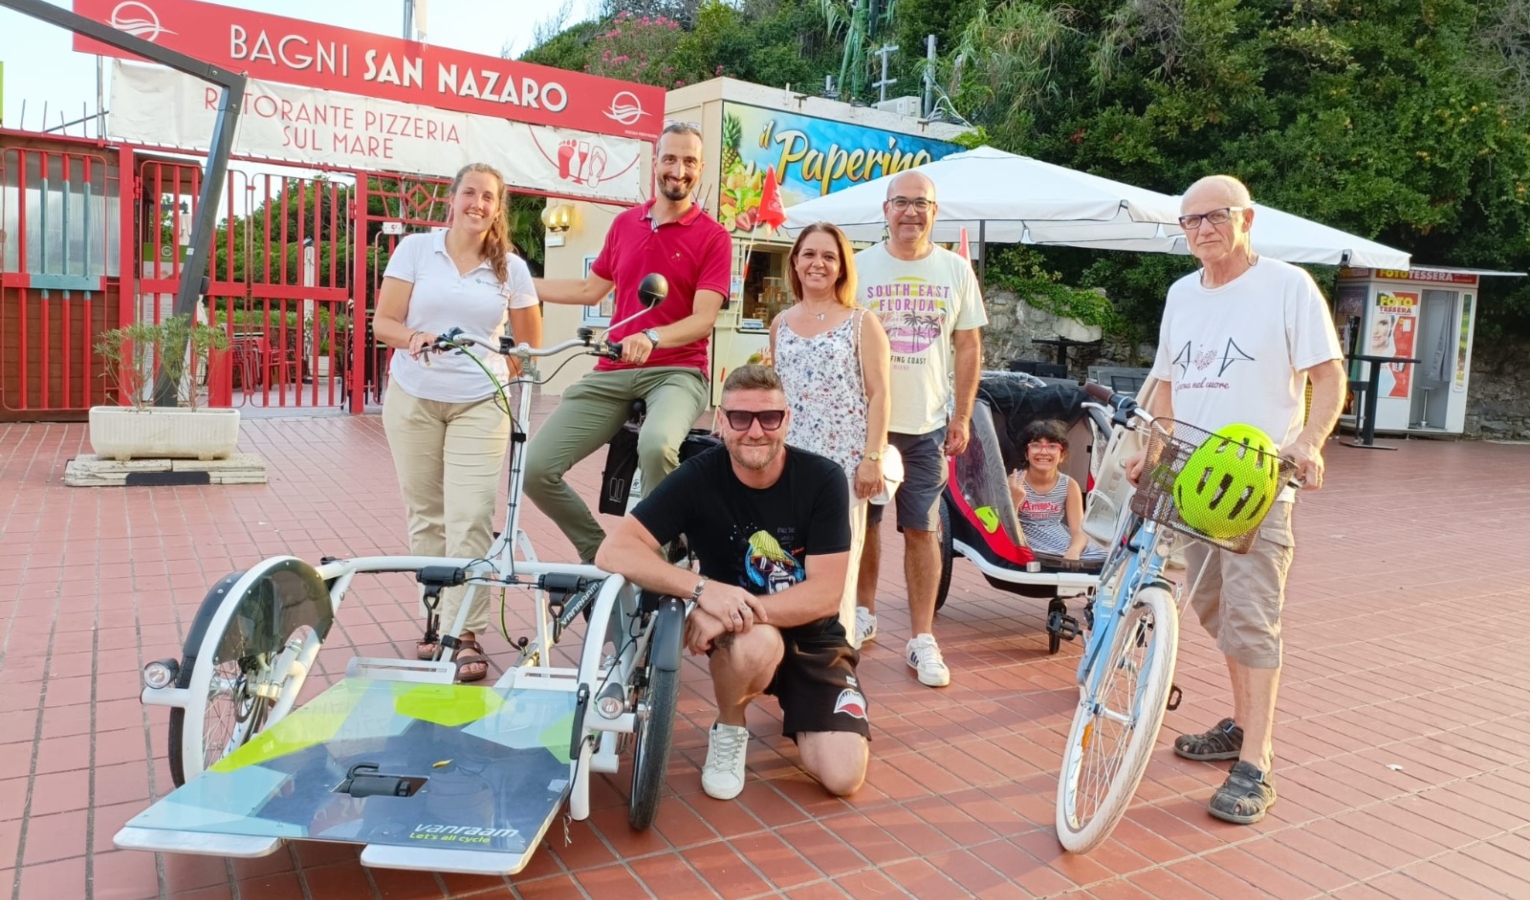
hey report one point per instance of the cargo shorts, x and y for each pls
(1239, 596)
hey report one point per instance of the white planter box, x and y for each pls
(122, 432)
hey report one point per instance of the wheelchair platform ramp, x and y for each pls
(448, 778)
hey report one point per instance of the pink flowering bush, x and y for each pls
(638, 48)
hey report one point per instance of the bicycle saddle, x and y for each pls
(639, 410)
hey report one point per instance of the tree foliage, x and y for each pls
(1407, 122)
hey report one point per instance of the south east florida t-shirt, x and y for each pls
(920, 302)
(758, 540)
(1236, 353)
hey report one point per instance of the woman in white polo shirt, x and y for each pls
(447, 434)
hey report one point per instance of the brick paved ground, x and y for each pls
(1403, 734)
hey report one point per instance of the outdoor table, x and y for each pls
(1365, 437)
(1062, 344)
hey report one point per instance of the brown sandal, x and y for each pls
(475, 658)
(425, 650)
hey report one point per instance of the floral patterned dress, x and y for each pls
(825, 390)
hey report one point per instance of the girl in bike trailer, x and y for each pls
(1049, 504)
(447, 434)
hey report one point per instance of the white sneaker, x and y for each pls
(865, 625)
(924, 658)
(723, 775)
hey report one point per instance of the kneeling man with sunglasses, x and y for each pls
(770, 526)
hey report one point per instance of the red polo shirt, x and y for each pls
(693, 252)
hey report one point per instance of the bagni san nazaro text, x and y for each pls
(345, 129)
(296, 51)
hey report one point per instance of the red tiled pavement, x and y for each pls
(1403, 727)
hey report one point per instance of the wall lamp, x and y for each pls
(560, 218)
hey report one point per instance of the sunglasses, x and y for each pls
(743, 419)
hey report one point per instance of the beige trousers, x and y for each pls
(449, 457)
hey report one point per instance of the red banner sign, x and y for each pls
(291, 51)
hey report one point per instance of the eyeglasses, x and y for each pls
(743, 419)
(1044, 444)
(900, 204)
(1216, 217)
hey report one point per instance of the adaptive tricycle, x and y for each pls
(426, 774)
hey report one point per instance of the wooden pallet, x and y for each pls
(93, 471)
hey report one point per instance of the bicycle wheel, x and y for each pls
(245, 659)
(1114, 729)
(947, 555)
(657, 696)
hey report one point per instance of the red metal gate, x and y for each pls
(279, 277)
(60, 214)
(390, 206)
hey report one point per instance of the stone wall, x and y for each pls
(1012, 323)
(1498, 405)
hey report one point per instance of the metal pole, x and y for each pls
(929, 75)
(408, 20)
(194, 279)
(982, 251)
(100, 98)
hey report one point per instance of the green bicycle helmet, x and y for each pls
(1228, 483)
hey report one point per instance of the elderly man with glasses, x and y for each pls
(770, 525)
(1241, 338)
(931, 306)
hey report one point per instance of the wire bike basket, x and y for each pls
(1244, 490)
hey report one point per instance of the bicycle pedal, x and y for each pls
(1175, 695)
(1062, 625)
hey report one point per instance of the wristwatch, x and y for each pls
(652, 335)
(874, 457)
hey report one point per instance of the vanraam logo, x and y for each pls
(626, 108)
(139, 20)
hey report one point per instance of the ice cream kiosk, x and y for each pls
(1415, 327)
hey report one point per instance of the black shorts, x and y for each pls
(816, 683)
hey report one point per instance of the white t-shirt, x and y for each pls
(443, 299)
(1236, 353)
(920, 302)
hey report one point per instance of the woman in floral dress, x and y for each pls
(833, 360)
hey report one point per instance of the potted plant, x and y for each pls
(136, 357)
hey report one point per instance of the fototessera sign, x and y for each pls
(291, 51)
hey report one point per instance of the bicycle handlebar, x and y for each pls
(456, 339)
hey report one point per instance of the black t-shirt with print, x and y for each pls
(756, 539)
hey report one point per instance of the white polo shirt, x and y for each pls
(443, 299)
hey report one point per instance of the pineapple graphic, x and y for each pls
(732, 139)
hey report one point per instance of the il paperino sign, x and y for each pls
(291, 51)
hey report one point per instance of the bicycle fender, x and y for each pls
(668, 635)
(205, 613)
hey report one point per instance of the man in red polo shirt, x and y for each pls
(664, 351)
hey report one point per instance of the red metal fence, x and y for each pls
(93, 238)
(60, 215)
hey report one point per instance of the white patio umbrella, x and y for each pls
(1009, 199)
(1278, 235)
(1006, 198)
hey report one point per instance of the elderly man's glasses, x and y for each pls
(901, 204)
(1216, 217)
(743, 419)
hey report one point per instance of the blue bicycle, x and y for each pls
(1126, 672)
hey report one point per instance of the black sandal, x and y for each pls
(1244, 797)
(1223, 741)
